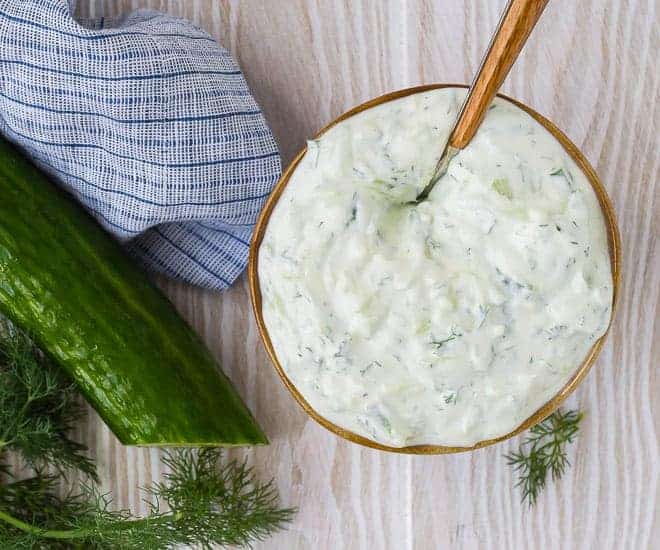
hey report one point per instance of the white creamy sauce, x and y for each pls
(445, 323)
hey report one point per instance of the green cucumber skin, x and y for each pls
(72, 287)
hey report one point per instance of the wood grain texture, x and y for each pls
(591, 67)
(518, 21)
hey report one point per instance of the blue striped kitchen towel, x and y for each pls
(149, 123)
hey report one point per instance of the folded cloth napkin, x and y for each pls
(149, 123)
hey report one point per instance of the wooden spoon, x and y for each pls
(517, 22)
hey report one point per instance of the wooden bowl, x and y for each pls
(542, 412)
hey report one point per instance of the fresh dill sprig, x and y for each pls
(39, 405)
(543, 451)
(203, 500)
(35, 503)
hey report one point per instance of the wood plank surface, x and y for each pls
(592, 68)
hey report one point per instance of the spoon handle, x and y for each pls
(517, 22)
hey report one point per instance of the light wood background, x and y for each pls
(592, 67)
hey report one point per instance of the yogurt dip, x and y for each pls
(444, 323)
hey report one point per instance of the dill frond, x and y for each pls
(544, 451)
(39, 405)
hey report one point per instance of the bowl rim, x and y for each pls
(614, 242)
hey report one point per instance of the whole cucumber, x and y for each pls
(71, 286)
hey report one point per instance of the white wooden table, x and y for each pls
(592, 67)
